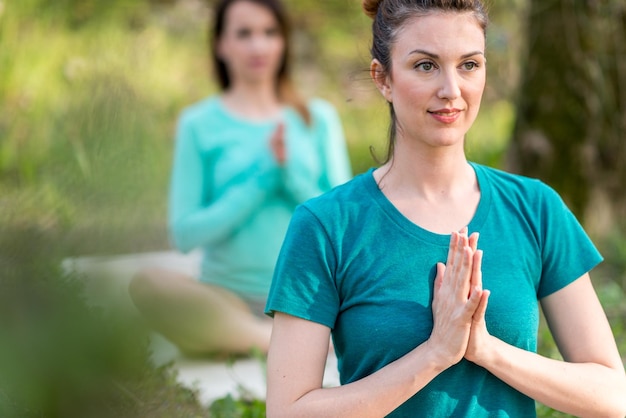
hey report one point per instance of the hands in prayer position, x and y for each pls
(459, 301)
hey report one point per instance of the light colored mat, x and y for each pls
(106, 284)
(216, 379)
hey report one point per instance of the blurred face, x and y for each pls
(251, 45)
(437, 78)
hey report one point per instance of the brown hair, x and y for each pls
(388, 18)
(285, 89)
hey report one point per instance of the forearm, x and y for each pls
(212, 224)
(580, 389)
(376, 395)
(217, 221)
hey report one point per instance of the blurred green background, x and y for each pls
(89, 95)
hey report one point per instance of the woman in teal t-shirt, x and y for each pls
(243, 160)
(428, 320)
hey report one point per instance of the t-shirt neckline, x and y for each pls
(407, 225)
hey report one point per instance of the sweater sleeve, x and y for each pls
(197, 217)
(331, 151)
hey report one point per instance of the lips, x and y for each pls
(256, 63)
(445, 115)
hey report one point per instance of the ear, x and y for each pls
(381, 79)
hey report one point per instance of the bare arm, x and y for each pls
(298, 351)
(590, 382)
(295, 368)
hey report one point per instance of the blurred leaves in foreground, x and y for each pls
(61, 357)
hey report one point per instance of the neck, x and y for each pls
(432, 174)
(252, 101)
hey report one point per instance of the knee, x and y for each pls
(143, 286)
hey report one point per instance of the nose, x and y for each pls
(258, 43)
(449, 88)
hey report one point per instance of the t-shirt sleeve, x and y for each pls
(303, 283)
(567, 250)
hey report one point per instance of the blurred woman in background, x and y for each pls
(244, 158)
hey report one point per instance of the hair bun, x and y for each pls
(370, 7)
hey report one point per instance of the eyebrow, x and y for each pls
(430, 54)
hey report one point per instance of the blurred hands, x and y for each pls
(277, 144)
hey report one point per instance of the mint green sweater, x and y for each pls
(229, 196)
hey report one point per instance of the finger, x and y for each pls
(474, 301)
(279, 132)
(441, 269)
(458, 267)
(479, 314)
(463, 235)
(277, 142)
(473, 240)
(459, 255)
(458, 275)
(464, 277)
(477, 272)
(452, 248)
(277, 139)
(464, 238)
(464, 241)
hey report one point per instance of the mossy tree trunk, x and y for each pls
(571, 123)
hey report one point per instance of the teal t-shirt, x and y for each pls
(353, 262)
(229, 196)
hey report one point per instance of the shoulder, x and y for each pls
(200, 111)
(321, 110)
(528, 197)
(515, 184)
(320, 105)
(343, 202)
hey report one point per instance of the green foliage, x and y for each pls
(614, 250)
(487, 140)
(76, 14)
(88, 117)
(228, 407)
(61, 357)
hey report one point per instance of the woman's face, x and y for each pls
(437, 78)
(251, 45)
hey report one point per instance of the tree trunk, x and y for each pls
(571, 122)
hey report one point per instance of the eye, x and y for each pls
(425, 66)
(272, 32)
(470, 65)
(243, 33)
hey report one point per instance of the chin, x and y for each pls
(450, 140)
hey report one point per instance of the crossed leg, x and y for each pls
(197, 317)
